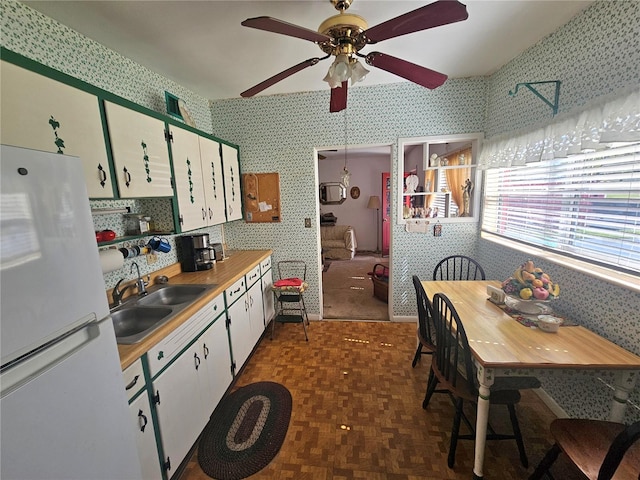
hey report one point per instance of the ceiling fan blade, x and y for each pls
(274, 25)
(338, 101)
(417, 74)
(435, 14)
(280, 76)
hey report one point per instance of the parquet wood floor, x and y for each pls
(357, 410)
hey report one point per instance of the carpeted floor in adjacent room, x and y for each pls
(347, 290)
(357, 410)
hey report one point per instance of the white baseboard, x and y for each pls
(404, 318)
(551, 403)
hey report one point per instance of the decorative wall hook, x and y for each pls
(529, 85)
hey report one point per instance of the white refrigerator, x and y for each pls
(63, 407)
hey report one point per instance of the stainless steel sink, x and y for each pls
(173, 294)
(139, 317)
(132, 324)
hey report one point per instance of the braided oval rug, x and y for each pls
(245, 431)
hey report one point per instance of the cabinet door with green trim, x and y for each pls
(233, 196)
(185, 151)
(212, 178)
(43, 114)
(140, 153)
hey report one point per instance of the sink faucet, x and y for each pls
(117, 293)
(140, 283)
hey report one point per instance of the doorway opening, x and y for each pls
(347, 291)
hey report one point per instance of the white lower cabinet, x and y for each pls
(256, 313)
(240, 332)
(180, 382)
(188, 372)
(179, 409)
(216, 362)
(267, 297)
(142, 421)
(145, 437)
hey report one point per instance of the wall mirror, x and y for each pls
(332, 193)
(439, 179)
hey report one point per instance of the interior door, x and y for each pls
(386, 213)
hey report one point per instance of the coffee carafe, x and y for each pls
(197, 253)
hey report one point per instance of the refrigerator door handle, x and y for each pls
(37, 362)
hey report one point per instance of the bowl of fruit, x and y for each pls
(530, 289)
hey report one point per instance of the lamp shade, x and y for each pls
(374, 202)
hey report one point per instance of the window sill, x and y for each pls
(624, 280)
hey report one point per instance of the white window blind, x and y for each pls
(586, 205)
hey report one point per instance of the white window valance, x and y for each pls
(596, 127)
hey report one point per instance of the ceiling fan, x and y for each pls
(345, 34)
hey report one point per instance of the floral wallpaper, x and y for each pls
(279, 133)
(40, 38)
(595, 54)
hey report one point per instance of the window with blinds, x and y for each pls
(586, 206)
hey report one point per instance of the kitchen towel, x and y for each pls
(111, 259)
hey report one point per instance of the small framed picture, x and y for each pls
(437, 230)
(355, 192)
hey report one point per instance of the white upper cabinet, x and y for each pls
(140, 153)
(44, 114)
(233, 196)
(185, 150)
(212, 178)
(198, 180)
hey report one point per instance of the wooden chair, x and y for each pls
(458, 267)
(426, 328)
(599, 449)
(453, 368)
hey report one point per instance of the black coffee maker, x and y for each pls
(197, 253)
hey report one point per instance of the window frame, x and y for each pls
(475, 139)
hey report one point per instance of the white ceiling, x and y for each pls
(202, 46)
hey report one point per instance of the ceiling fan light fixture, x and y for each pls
(358, 72)
(339, 71)
(344, 68)
(331, 78)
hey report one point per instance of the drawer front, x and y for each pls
(253, 276)
(133, 379)
(265, 265)
(235, 291)
(171, 346)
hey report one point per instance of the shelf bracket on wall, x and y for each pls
(529, 85)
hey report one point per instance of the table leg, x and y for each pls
(485, 380)
(625, 381)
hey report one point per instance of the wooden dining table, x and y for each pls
(501, 346)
